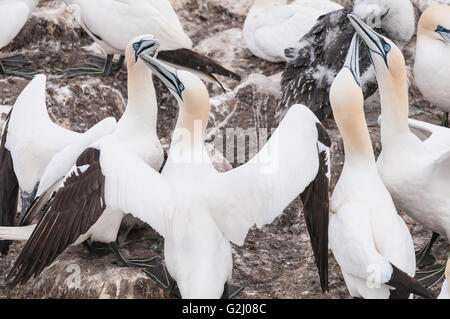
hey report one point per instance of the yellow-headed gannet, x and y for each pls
(369, 240)
(197, 209)
(417, 177)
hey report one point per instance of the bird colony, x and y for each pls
(225, 149)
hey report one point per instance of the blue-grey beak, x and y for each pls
(166, 73)
(352, 59)
(374, 41)
(148, 46)
(443, 32)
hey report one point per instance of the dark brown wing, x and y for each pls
(316, 211)
(71, 213)
(313, 66)
(195, 61)
(9, 188)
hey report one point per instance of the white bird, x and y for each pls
(272, 26)
(445, 292)
(315, 61)
(13, 16)
(417, 177)
(369, 240)
(29, 141)
(136, 129)
(113, 23)
(431, 67)
(197, 210)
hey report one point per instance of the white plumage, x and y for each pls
(33, 139)
(272, 26)
(367, 236)
(113, 23)
(445, 292)
(13, 15)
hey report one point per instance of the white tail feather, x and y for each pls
(16, 233)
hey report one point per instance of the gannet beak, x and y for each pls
(374, 41)
(167, 74)
(352, 59)
(148, 47)
(443, 32)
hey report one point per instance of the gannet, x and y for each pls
(431, 67)
(417, 176)
(29, 141)
(13, 16)
(104, 20)
(445, 292)
(268, 19)
(319, 56)
(369, 240)
(197, 210)
(136, 129)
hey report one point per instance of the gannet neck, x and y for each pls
(393, 87)
(142, 104)
(194, 110)
(347, 102)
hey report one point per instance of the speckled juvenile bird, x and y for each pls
(320, 54)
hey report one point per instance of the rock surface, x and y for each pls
(276, 261)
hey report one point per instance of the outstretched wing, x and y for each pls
(73, 210)
(259, 191)
(106, 175)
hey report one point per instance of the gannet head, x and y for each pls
(143, 45)
(435, 24)
(387, 58)
(346, 97)
(188, 89)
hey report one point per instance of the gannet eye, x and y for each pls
(386, 47)
(440, 28)
(136, 46)
(181, 87)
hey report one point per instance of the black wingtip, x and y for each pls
(404, 283)
(195, 61)
(316, 211)
(324, 137)
(9, 187)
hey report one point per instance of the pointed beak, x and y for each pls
(148, 47)
(166, 73)
(444, 33)
(374, 41)
(352, 59)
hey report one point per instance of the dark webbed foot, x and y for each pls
(121, 261)
(95, 66)
(431, 276)
(423, 256)
(17, 66)
(445, 120)
(98, 249)
(230, 291)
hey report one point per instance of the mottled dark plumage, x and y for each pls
(316, 211)
(61, 224)
(9, 188)
(312, 66)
